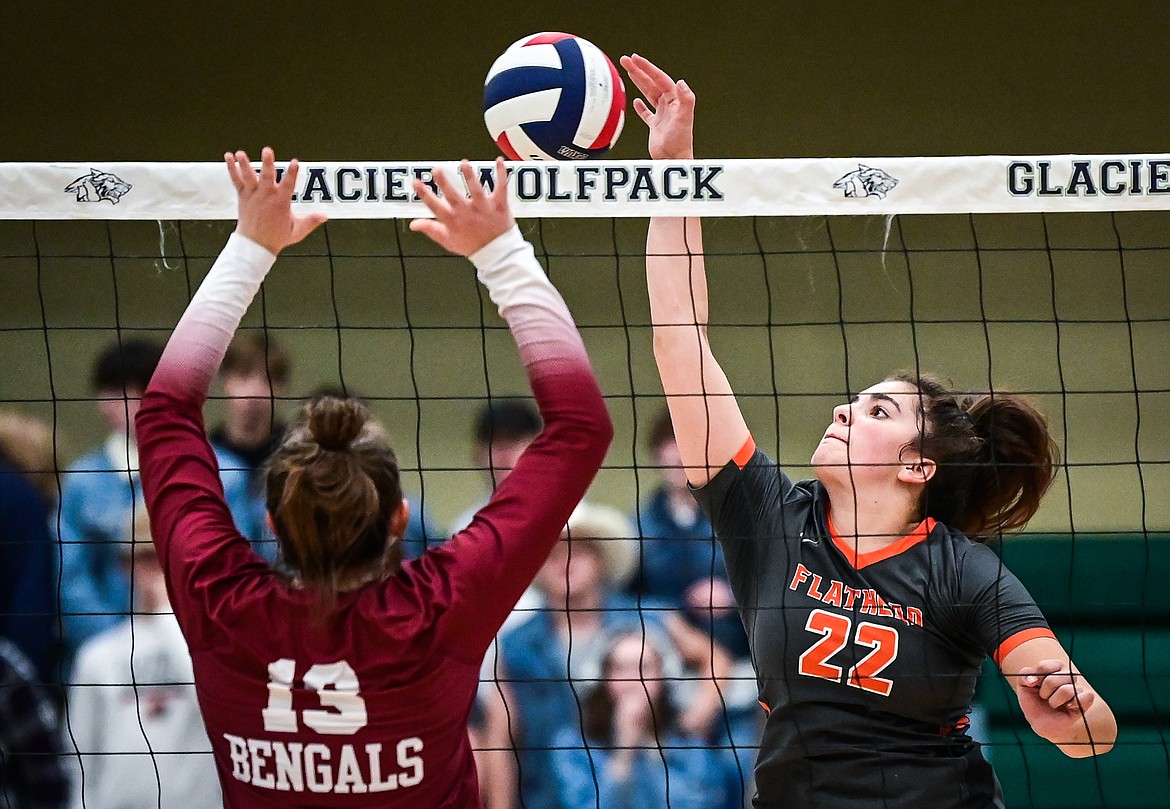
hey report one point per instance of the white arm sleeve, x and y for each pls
(197, 347)
(527, 300)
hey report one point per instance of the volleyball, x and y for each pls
(554, 96)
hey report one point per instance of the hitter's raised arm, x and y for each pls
(707, 421)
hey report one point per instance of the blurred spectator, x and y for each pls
(132, 712)
(32, 762)
(638, 753)
(255, 373)
(99, 491)
(421, 530)
(29, 443)
(28, 555)
(503, 430)
(549, 660)
(681, 563)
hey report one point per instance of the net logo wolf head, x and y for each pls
(98, 186)
(866, 182)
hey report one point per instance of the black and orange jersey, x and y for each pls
(867, 663)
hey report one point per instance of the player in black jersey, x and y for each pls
(868, 597)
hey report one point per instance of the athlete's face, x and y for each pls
(867, 440)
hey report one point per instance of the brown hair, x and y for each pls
(256, 353)
(597, 708)
(994, 456)
(27, 442)
(333, 489)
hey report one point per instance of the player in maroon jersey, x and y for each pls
(869, 601)
(350, 684)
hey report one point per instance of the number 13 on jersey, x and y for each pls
(300, 764)
(336, 685)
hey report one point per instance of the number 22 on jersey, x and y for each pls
(835, 631)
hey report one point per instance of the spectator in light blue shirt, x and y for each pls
(636, 752)
(548, 661)
(101, 491)
(681, 564)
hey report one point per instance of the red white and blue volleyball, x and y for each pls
(554, 96)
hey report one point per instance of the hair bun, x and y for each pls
(334, 422)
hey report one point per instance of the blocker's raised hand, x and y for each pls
(465, 223)
(669, 109)
(265, 205)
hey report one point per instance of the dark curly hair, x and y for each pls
(995, 457)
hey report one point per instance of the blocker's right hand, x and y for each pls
(465, 224)
(265, 204)
(669, 109)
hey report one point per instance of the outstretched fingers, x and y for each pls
(500, 192)
(267, 165)
(643, 111)
(452, 195)
(434, 229)
(652, 81)
(439, 206)
(466, 220)
(427, 227)
(302, 226)
(474, 189)
(229, 158)
(245, 172)
(288, 180)
(265, 209)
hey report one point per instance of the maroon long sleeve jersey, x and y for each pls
(370, 706)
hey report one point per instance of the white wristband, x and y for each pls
(508, 268)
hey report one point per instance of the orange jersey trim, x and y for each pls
(1021, 637)
(862, 560)
(745, 452)
(963, 724)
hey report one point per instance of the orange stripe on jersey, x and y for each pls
(1023, 636)
(960, 726)
(764, 705)
(860, 560)
(745, 452)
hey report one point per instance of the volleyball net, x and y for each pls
(1041, 275)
